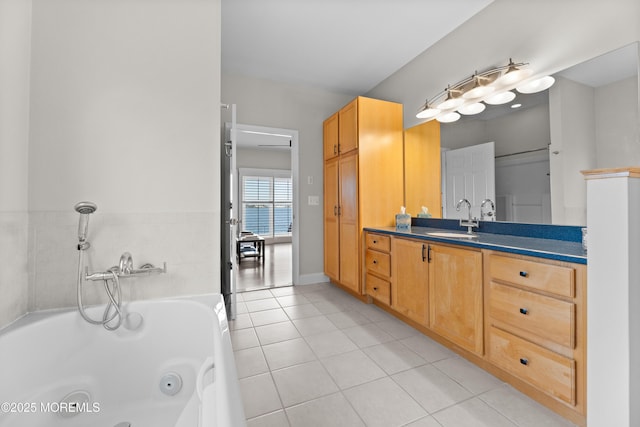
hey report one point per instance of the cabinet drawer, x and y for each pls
(378, 242)
(545, 277)
(378, 262)
(379, 289)
(546, 317)
(549, 371)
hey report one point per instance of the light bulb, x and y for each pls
(513, 76)
(448, 117)
(500, 98)
(471, 109)
(537, 85)
(428, 112)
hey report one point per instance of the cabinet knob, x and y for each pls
(524, 361)
(375, 289)
(524, 274)
(375, 242)
(375, 261)
(524, 311)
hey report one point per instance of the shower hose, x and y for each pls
(113, 310)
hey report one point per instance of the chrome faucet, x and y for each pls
(491, 213)
(468, 203)
(126, 263)
(470, 223)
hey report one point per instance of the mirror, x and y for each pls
(588, 119)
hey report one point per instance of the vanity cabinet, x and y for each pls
(378, 267)
(410, 279)
(363, 182)
(520, 317)
(455, 295)
(536, 324)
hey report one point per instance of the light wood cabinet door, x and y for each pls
(331, 226)
(410, 279)
(330, 137)
(455, 295)
(348, 129)
(348, 218)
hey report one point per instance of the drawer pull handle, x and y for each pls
(375, 289)
(375, 261)
(524, 274)
(524, 361)
(375, 242)
(524, 311)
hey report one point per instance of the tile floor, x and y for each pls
(315, 356)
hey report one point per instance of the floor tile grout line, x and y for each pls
(457, 356)
(344, 308)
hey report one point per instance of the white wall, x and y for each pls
(15, 37)
(124, 100)
(590, 128)
(573, 149)
(272, 104)
(616, 124)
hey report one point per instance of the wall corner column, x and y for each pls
(613, 296)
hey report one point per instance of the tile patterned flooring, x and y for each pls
(314, 356)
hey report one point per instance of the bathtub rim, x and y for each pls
(33, 317)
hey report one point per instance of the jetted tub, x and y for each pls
(171, 364)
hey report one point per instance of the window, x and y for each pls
(267, 203)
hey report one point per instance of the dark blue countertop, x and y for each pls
(562, 249)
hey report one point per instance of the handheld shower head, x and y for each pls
(84, 209)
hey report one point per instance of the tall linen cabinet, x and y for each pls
(363, 182)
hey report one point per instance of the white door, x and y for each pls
(234, 208)
(469, 174)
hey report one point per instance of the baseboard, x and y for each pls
(309, 279)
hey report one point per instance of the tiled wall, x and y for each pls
(13, 272)
(184, 240)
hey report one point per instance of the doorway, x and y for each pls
(468, 173)
(265, 198)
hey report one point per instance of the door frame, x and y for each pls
(295, 234)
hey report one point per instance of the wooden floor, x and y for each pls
(276, 270)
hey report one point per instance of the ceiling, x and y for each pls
(344, 46)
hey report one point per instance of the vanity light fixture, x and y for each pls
(480, 88)
(471, 109)
(537, 85)
(514, 74)
(448, 117)
(501, 98)
(452, 101)
(493, 86)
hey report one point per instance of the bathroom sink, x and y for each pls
(453, 235)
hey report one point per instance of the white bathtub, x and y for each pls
(118, 377)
